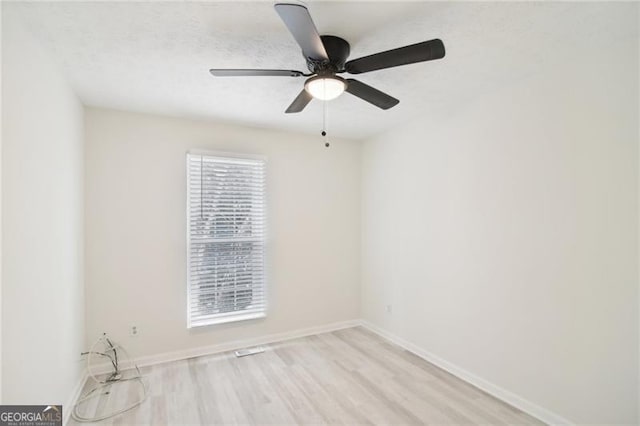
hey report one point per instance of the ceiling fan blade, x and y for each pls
(297, 19)
(419, 52)
(370, 94)
(299, 102)
(254, 73)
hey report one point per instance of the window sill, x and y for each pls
(227, 319)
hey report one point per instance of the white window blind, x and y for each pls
(226, 239)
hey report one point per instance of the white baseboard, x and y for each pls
(528, 407)
(73, 397)
(146, 361)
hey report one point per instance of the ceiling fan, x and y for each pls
(326, 57)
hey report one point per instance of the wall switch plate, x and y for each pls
(133, 330)
(388, 308)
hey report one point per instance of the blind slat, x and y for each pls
(230, 300)
(205, 292)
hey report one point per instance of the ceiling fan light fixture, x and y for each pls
(325, 87)
(327, 55)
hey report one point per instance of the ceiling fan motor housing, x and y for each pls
(337, 49)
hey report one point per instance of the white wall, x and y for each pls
(135, 229)
(505, 235)
(42, 224)
(0, 218)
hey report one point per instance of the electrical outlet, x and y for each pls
(388, 308)
(134, 330)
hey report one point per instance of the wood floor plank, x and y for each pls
(350, 377)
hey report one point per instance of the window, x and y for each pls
(226, 239)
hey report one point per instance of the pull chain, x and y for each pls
(325, 122)
(201, 187)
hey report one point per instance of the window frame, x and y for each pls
(225, 319)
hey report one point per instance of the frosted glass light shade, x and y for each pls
(325, 88)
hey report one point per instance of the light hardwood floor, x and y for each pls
(349, 376)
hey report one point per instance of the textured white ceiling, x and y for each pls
(155, 56)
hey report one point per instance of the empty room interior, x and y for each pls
(320, 212)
